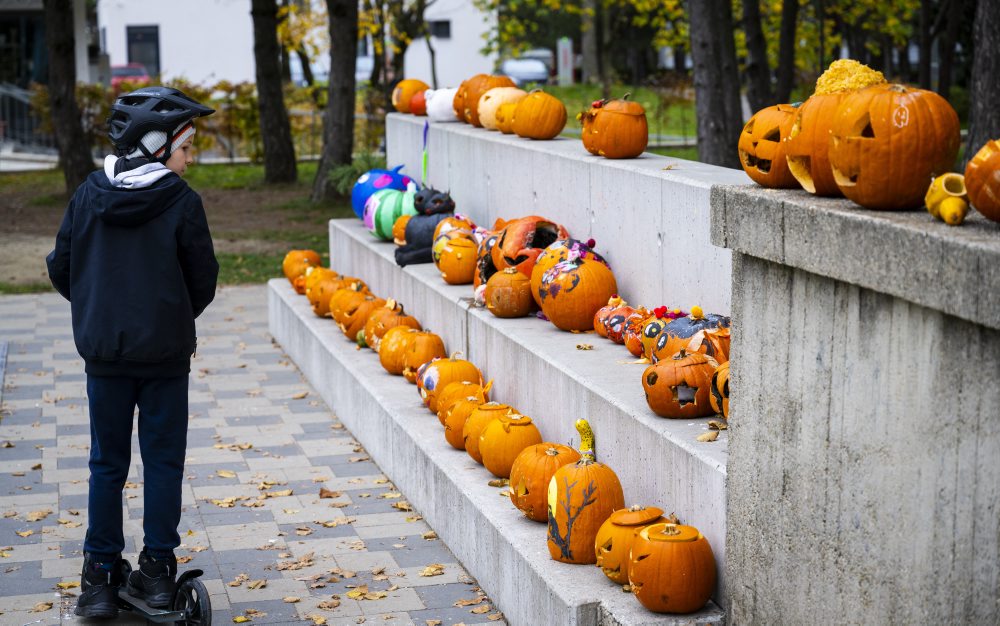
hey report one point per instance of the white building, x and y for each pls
(457, 28)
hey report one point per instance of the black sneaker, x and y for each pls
(99, 583)
(154, 580)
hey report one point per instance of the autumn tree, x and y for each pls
(716, 80)
(393, 25)
(275, 130)
(299, 26)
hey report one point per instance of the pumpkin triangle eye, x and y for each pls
(774, 135)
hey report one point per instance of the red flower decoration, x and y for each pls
(591, 243)
(660, 312)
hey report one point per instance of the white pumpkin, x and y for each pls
(439, 108)
(490, 103)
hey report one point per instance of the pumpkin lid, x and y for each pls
(494, 406)
(635, 515)
(514, 419)
(676, 533)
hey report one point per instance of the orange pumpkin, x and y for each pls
(634, 326)
(618, 321)
(719, 389)
(503, 439)
(453, 222)
(296, 262)
(521, 241)
(455, 420)
(423, 348)
(323, 294)
(508, 294)
(457, 260)
(539, 116)
(418, 103)
(982, 180)
(616, 536)
(320, 284)
(437, 373)
(404, 91)
(572, 291)
(476, 87)
(461, 95)
(616, 129)
(807, 148)
(460, 390)
(605, 312)
(505, 117)
(492, 100)
(353, 322)
(888, 141)
(393, 346)
(580, 497)
(313, 275)
(382, 319)
(531, 473)
(477, 422)
(680, 386)
(557, 252)
(671, 568)
(346, 299)
(399, 230)
(762, 147)
(444, 239)
(697, 332)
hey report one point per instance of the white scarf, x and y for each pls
(140, 177)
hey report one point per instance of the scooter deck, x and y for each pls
(138, 605)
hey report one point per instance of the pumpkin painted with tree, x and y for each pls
(436, 374)
(557, 252)
(539, 116)
(720, 390)
(762, 147)
(672, 568)
(616, 536)
(680, 386)
(403, 92)
(423, 348)
(531, 473)
(503, 439)
(571, 292)
(982, 180)
(460, 390)
(508, 294)
(477, 422)
(491, 101)
(390, 315)
(581, 496)
(615, 129)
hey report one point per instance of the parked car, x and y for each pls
(321, 74)
(523, 71)
(134, 73)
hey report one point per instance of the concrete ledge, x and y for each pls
(505, 551)
(909, 254)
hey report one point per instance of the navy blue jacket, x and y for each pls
(138, 267)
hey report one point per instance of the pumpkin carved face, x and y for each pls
(444, 239)
(492, 100)
(671, 568)
(720, 390)
(504, 439)
(762, 147)
(982, 179)
(393, 346)
(382, 319)
(457, 260)
(296, 262)
(539, 116)
(531, 473)
(616, 536)
(522, 240)
(505, 117)
(680, 386)
(571, 292)
(508, 294)
(475, 88)
(457, 416)
(353, 321)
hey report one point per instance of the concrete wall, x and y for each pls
(862, 480)
(458, 56)
(650, 215)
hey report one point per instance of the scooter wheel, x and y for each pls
(192, 598)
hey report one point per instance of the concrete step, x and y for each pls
(505, 552)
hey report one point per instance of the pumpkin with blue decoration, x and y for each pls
(376, 180)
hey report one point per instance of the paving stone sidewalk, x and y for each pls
(280, 502)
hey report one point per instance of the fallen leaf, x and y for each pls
(414, 518)
(41, 607)
(291, 599)
(226, 503)
(198, 548)
(240, 619)
(17, 474)
(356, 545)
(278, 494)
(434, 569)
(300, 395)
(584, 346)
(389, 495)
(260, 583)
(25, 533)
(380, 481)
(495, 617)
(317, 620)
(70, 585)
(375, 595)
(184, 559)
(226, 474)
(711, 435)
(11, 513)
(36, 466)
(239, 580)
(7, 444)
(399, 545)
(717, 425)
(302, 531)
(254, 613)
(432, 622)
(402, 506)
(672, 166)
(35, 516)
(328, 605)
(430, 535)
(357, 459)
(358, 592)
(321, 479)
(326, 493)
(304, 561)
(479, 610)
(468, 601)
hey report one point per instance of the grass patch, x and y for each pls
(664, 118)
(7, 289)
(246, 269)
(691, 153)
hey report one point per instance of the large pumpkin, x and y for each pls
(762, 147)
(508, 294)
(982, 180)
(680, 386)
(403, 93)
(393, 346)
(558, 251)
(522, 240)
(492, 100)
(671, 568)
(888, 141)
(531, 473)
(571, 292)
(382, 319)
(457, 260)
(616, 536)
(423, 348)
(440, 372)
(539, 116)
(720, 390)
(503, 439)
(615, 129)
(296, 262)
(477, 422)
(580, 497)
(461, 95)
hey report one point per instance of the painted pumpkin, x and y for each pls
(618, 321)
(697, 332)
(762, 147)
(455, 420)
(422, 349)
(477, 422)
(446, 238)
(296, 262)
(492, 100)
(888, 141)
(632, 335)
(453, 222)
(672, 568)
(376, 180)
(390, 315)
(580, 497)
(531, 473)
(460, 390)
(616, 536)
(505, 117)
(601, 317)
(484, 259)
(571, 292)
(720, 390)
(616, 129)
(982, 180)
(404, 91)
(439, 104)
(680, 386)
(522, 241)
(384, 208)
(440, 372)
(393, 346)
(562, 250)
(457, 260)
(503, 439)
(353, 321)
(399, 230)
(539, 116)
(508, 294)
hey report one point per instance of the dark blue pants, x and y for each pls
(163, 418)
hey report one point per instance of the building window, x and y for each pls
(440, 29)
(144, 47)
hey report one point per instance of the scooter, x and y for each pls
(191, 605)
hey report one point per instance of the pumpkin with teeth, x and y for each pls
(616, 536)
(477, 422)
(680, 386)
(457, 390)
(671, 568)
(762, 147)
(530, 475)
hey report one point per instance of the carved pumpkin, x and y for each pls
(457, 260)
(615, 129)
(503, 439)
(888, 141)
(618, 320)
(720, 390)
(680, 386)
(580, 497)
(505, 117)
(353, 321)
(314, 275)
(440, 372)
(477, 422)
(492, 100)
(539, 116)
(475, 87)
(616, 536)
(404, 91)
(762, 147)
(522, 241)
(484, 259)
(418, 103)
(393, 346)
(296, 262)
(444, 239)
(982, 180)
(615, 302)
(461, 96)
(399, 230)
(310, 281)
(572, 291)
(672, 568)
(508, 294)
(382, 319)
(322, 294)
(562, 250)
(531, 473)
(460, 390)
(346, 299)
(698, 332)
(423, 348)
(455, 420)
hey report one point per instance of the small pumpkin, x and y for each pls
(296, 262)
(571, 292)
(453, 222)
(399, 230)
(616, 129)
(477, 422)
(423, 348)
(508, 294)
(671, 568)
(762, 147)
(455, 420)
(601, 317)
(697, 332)
(632, 335)
(393, 346)
(346, 299)
(353, 321)
(319, 284)
(390, 315)
(440, 372)
(444, 239)
(680, 386)
(460, 390)
(720, 390)
(558, 251)
(314, 275)
(982, 180)
(503, 439)
(580, 497)
(484, 258)
(323, 295)
(531, 473)
(404, 91)
(616, 536)
(457, 260)
(491, 101)
(418, 103)
(505, 117)
(539, 116)
(616, 323)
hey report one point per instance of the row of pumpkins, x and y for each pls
(670, 567)
(615, 129)
(884, 146)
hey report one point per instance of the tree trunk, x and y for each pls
(588, 43)
(433, 55)
(716, 81)
(275, 131)
(74, 152)
(955, 9)
(338, 123)
(786, 50)
(758, 70)
(925, 43)
(680, 59)
(307, 72)
(984, 88)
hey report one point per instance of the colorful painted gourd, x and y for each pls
(720, 390)
(403, 92)
(484, 258)
(616, 323)
(382, 319)
(491, 101)
(522, 241)
(697, 332)
(384, 208)
(453, 222)
(439, 372)
(376, 180)
(477, 422)
(508, 294)
(762, 147)
(558, 251)
(539, 116)
(982, 179)
(580, 497)
(571, 292)
(615, 129)
(423, 348)
(503, 439)
(632, 334)
(680, 386)
(671, 568)
(530, 476)
(616, 536)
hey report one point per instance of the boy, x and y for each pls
(134, 257)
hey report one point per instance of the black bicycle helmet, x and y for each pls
(147, 109)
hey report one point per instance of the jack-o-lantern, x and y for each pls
(680, 386)
(423, 348)
(457, 260)
(671, 568)
(461, 95)
(353, 321)
(615, 129)
(393, 346)
(697, 332)
(296, 262)
(477, 422)
(617, 323)
(720, 390)
(522, 240)
(320, 287)
(580, 497)
(312, 277)
(508, 294)
(531, 473)
(503, 439)
(572, 291)
(505, 117)
(492, 100)
(460, 390)
(616, 536)
(390, 315)
(982, 180)
(762, 147)
(403, 92)
(440, 372)
(615, 302)
(346, 298)
(888, 141)
(455, 419)
(539, 116)
(563, 250)
(475, 87)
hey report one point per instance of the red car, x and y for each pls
(133, 73)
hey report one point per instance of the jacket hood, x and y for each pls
(132, 207)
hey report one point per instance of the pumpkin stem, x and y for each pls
(636, 507)
(670, 530)
(455, 354)
(586, 442)
(626, 96)
(390, 304)
(489, 385)
(680, 355)
(552, 451)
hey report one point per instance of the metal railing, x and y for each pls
(19, 125)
